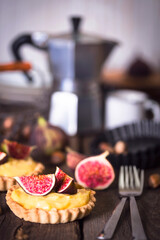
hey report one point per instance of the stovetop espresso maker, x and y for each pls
(75, 60)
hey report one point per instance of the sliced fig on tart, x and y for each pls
(64, 183)
(37, 185)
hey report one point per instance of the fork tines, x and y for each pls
(129, 178)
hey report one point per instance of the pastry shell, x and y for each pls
(53, 216)
(7, 182)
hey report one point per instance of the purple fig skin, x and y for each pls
(70, 189)
(3, 158)
(49, 138)
(62, 138)
(73, 158)
(16, 150)
(60, 175)
(64, 183)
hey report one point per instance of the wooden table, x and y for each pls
(13, 228)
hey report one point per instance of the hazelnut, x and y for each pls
(20, 235)
(26, 131)
(104, 146)
(120, 147)
(8, 123)
(57, 157)
(154, 180)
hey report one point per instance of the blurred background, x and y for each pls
(135, 24)
(127, 77)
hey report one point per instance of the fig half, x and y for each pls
(37, 185)
(95, 172)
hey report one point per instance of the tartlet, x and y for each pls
(7, 181)
(52, 216)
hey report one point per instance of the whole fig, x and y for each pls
(48, 138)
(73, 158)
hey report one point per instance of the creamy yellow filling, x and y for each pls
(52, 200)
(18, 167)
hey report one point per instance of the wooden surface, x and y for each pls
(11, 227)
(115, 80)
(120, 79)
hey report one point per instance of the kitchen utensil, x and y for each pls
(111, 224)
(142, 140)
(129, 186)
(75, 60)
(13, 91)
(16, 66)
(132, 186)
(127, 106)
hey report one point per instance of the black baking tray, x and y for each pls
(143, 142)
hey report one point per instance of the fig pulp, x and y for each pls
(16, 150)
(64, 183)
(3, 158)
(48, 138)
(95, 172)
(37, 185)
(73, 158)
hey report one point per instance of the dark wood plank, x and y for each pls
(49, 231)
(8, 222)
(149, 208)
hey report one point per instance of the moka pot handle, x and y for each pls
(37, 39)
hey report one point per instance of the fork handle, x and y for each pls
(137, 227)
(110, 226)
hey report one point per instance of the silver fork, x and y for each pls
(130, 185)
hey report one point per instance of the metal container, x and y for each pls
(75, 60)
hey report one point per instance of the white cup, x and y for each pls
(127, 106)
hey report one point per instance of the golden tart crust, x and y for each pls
(7, 182)
(54, 215)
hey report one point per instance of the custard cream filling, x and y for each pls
(18, 167)
(52, 200)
